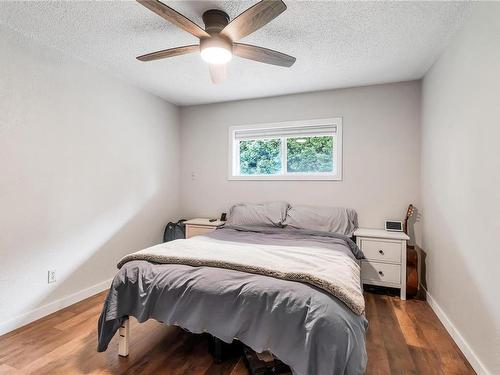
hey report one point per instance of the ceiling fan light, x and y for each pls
(216, 55)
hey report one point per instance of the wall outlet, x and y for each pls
(51, 277)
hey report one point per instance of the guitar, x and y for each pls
(411, 260)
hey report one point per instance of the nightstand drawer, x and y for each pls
(383, 251)
(196, 230)
(380, 272)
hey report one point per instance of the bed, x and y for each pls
(294, 292)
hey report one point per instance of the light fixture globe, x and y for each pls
(216, 55)
(216, 50)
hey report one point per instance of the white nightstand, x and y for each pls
(385, 262)
(195, 227)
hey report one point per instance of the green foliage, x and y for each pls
(260, 157)
(311, 154)
(306, 155)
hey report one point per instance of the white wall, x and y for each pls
(461, 187)
(88, 173)
(381, 152)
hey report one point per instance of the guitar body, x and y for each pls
(411, 272)
(411, 262)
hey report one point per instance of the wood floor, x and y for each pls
(403, 338)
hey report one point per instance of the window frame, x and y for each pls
(234, 154)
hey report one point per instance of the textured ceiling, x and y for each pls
(337, 44)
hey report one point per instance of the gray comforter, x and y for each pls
(307, 328)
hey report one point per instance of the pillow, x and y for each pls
(324, 219)
(272, 213)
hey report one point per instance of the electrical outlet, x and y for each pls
(51, 278)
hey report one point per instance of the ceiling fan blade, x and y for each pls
(174, 17)
(253, 19)
(264, 55)
(217, 72)
(171, 52)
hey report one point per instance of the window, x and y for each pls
(298, 150)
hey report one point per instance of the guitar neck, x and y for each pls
(409, 213)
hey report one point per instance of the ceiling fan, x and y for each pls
(218, 42)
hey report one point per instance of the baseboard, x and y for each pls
(455, 334)
(52, 307)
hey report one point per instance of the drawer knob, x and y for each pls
(381, 252)
(380, 273)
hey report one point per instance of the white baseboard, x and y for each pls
(455, 334)
(52, 307)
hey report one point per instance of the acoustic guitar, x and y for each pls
(411, 260)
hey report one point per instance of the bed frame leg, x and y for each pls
(124, 333)
(217, 350)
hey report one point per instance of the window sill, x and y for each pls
(286, 178)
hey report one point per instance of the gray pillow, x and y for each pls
(271, 213)
(325, 219)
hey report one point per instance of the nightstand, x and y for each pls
(195, 227)
(385, 263)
